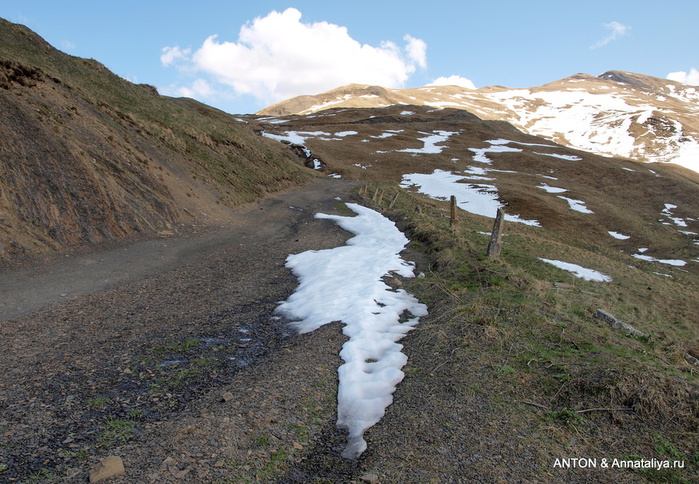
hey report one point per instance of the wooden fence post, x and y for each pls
(453, 221)
(390, 205)
(496, 237)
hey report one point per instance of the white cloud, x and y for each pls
(453, 81)
(417, 50)
(173, 54)
(278, 56)
(691, 78)
(199, 89)
(616, 30)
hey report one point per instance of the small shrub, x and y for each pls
(566, 417)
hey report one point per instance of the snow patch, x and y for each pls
(478, 199)
(577, 205)
(672, 262)
(619, 236)
(496, 146)
(550, 189)
(345, 284)
(579, 271)
(560, 157)
(667, 211)
(430, 142)
(295, 137)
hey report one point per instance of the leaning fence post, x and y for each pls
(390, 206)
(453, 221)
(495, 243)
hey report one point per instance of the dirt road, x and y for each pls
(116, 352)
(274, 220)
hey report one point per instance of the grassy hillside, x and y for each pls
(513, 363)
(512, 366)
(88, 156)
(624, 196)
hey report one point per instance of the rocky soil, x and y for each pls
(136, 363)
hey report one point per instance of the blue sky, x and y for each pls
(241, 56)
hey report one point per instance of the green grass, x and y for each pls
(176, 348)
(115, 431)
(532, 324)
(98, 402)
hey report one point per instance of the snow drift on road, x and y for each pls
(345, 284)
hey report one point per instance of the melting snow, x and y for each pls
(496, 146)
(667, 211)
(577, 205)
(672, 262)
(431, 141)
(579, 271)
(327, 104)
(477, 199)
(295, 137)
(600, 123)
(550, 189)
(499, 146)
(661, 274)
(619, 236)
(561, 157)
(344, 284)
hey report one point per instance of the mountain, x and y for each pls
(488, 164)
(192, 373)
(88, 157)
(620, 114)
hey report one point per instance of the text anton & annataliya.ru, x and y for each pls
(594, 463)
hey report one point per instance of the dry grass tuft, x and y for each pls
(658, 398)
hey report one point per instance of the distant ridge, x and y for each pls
(617, 113)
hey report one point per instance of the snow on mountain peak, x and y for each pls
(617, 113)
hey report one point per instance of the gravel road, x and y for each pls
(110, 352)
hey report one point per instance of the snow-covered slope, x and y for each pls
(620, 114)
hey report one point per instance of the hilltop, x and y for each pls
(618, 113)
